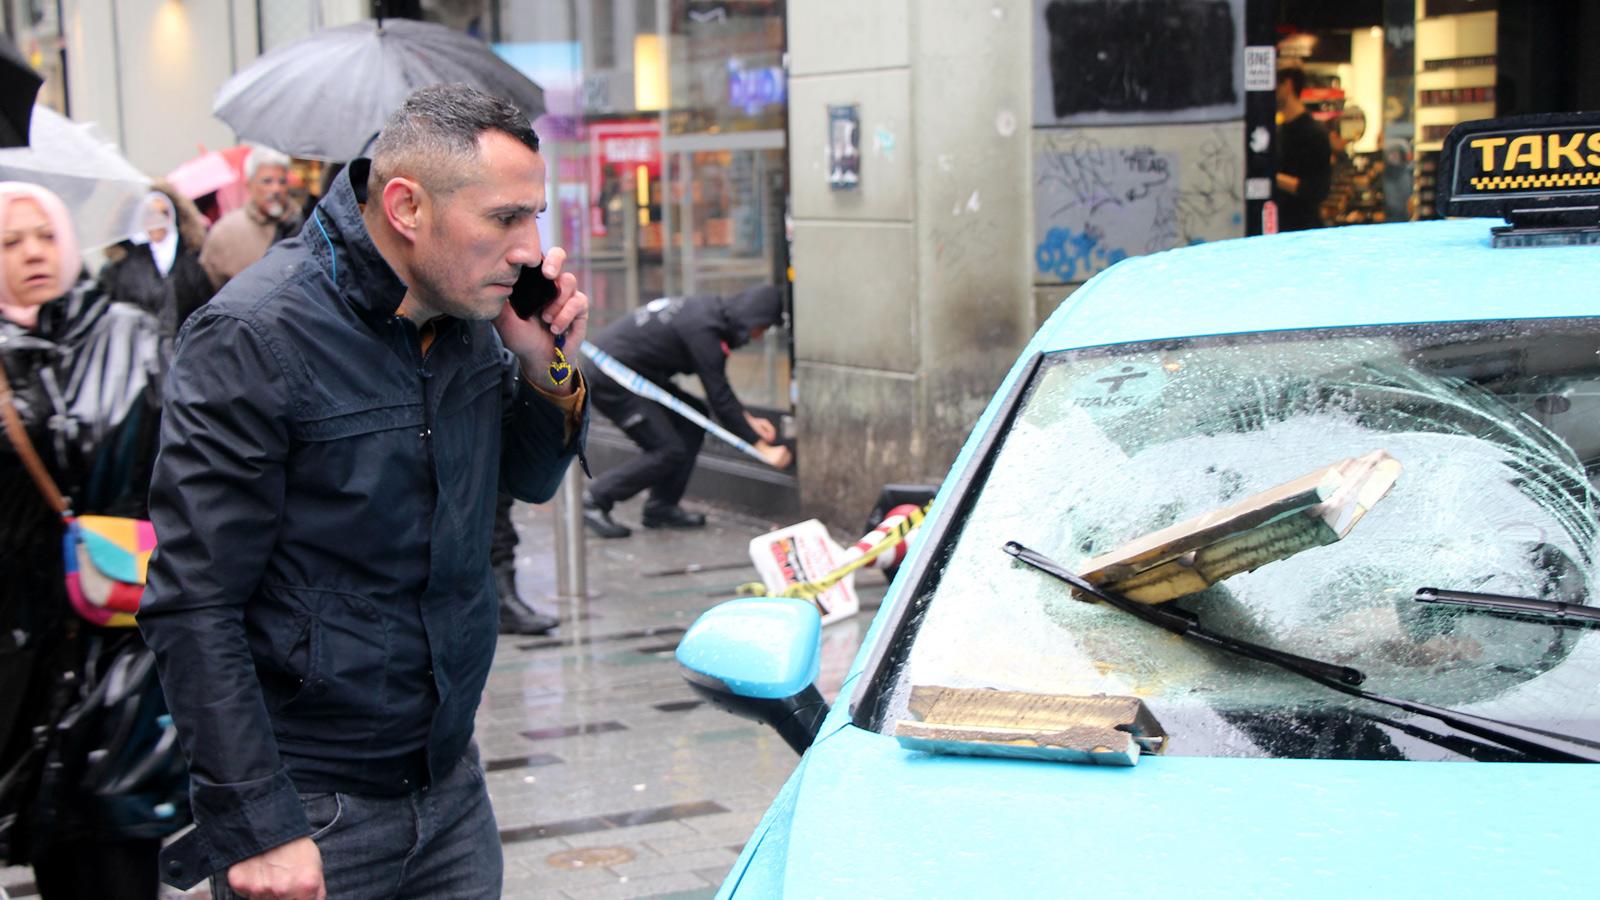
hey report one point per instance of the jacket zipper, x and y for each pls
(424, 375)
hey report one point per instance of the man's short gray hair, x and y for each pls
(433, 136)
(263, 156)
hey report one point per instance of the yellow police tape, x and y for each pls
(809, 590)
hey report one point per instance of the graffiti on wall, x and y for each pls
(1103, 194)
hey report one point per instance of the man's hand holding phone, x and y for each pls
(544, 303)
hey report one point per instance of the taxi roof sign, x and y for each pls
(1540, 173)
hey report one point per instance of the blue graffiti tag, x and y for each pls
(1062, 252)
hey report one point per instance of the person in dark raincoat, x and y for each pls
(335, 427)
(673, 336)
(91, 778)
(158, 269)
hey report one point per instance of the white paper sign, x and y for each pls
(1261, 68)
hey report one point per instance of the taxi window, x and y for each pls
(1497, 426)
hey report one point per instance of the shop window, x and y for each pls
(665, 133)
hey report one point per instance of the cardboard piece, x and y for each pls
(1098, 729)
(800, 553)
(1311, 511)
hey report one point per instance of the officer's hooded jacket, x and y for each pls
(692, 335)
(321, 600)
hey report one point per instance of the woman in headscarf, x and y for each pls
(158, 268)
(89, 780)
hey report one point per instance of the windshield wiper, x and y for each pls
(1526, 609)
(1185, 623)
(1531, 741)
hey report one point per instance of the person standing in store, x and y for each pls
(1305, 158)
(338, 422)
(673, 336)
(242, 236)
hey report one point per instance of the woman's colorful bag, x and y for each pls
(106, 559)
(106, 556)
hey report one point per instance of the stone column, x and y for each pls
(912, 290)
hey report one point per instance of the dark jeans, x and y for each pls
(669, 441)
(440, 842)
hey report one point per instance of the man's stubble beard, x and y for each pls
(428, 289)
(429, 278)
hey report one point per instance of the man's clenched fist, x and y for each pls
(291, 871)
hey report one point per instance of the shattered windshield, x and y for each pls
(1497, 429)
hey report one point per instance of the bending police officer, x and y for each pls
(673, 336)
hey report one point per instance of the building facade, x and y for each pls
(932, 177)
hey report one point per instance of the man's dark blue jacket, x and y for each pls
(321, 600)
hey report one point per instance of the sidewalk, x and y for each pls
(651, 792)
(608, 777)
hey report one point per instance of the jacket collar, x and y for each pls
(338, 239)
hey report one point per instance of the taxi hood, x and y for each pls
(863, 817)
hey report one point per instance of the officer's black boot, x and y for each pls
(657, 515)
(515, 616)
(599, 520)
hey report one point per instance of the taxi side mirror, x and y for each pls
(758, 657)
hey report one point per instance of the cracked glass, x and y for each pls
(1497, 426)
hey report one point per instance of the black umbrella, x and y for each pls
(19, 84)
(324, 96)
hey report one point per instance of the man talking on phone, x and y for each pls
(337, 423)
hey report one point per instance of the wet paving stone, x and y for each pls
(545, 734)
(586, 824)
(521, 762)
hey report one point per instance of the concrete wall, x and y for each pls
(912, 293)
(145, 71)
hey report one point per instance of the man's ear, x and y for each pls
(403, 200)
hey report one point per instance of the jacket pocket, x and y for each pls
(300, 662)
(284, 643)
(357, 422)
(341, 660)
(346, 462)
(478, 376)
(323, 812)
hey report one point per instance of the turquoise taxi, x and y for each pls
(1405, 706)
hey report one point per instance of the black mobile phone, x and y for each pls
(532, 292)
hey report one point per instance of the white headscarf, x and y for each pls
(154, 213)
(66, 239)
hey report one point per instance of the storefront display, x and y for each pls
(669, 126)
(1456, 75)
(1355, 196)
(1413, 75)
